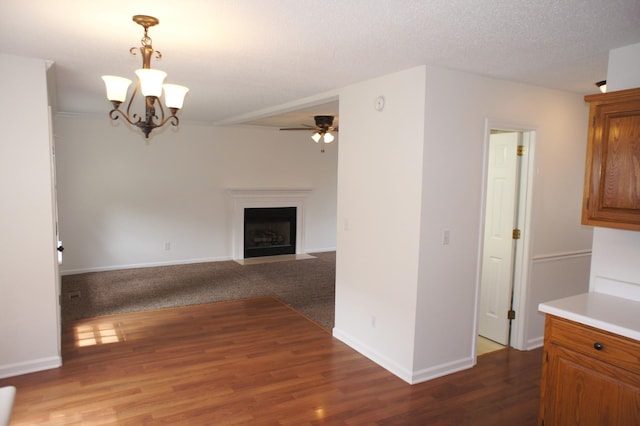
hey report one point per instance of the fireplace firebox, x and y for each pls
(269, 231)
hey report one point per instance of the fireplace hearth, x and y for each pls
(269, 231)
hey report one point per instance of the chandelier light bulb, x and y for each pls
(116, 87)
(174, 95)
(151, 81)
(316, 137)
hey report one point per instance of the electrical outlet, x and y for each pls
(167, 246)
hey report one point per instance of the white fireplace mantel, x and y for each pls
(244, 198)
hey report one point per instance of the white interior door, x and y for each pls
(498, 253)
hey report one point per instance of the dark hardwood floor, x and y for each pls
(255, 361)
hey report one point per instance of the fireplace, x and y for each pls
(268, 199)
(269, 231)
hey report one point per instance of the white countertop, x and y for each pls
(609, 313)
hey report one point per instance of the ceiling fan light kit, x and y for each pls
(150, 84)
(322, 130)
(328, 138)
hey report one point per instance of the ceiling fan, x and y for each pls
(322, 129)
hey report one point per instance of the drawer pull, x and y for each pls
(597, 346)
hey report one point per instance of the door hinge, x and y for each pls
(516, 234)
(511, 314)
(521, 150)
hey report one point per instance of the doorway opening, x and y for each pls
(505, 236)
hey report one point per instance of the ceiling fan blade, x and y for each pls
(307, 127)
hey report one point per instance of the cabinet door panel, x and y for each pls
(612, 173)
(620, 172)
(589, 392)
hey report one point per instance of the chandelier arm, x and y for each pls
(146, 127)
(133, 96)
(152, 120)
(164, 119)
(114, 114)
(161, 118)
(173, 119)
(150, 114)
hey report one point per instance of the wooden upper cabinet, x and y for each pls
(612, 172)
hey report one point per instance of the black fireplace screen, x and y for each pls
(269, 231)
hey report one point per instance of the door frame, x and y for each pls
(522, 255)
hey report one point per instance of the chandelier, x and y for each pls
(150, 83)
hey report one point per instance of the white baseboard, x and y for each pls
(535, 343)
(373, 355)
(32, 366)
(142, 265)
(320, 250)
(411, 377)
(442, 370)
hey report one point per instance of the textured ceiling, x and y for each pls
(249, 56)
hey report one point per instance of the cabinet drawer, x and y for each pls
(607, 347)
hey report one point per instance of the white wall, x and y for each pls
(424, 174)
(122, 198)
(622, 70)
(29, 335)
(615, 268)
(457, 106)
(553, 277)
(379, 175)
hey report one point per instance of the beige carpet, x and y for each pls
(306, 285)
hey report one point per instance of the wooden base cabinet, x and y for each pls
(589, 376)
